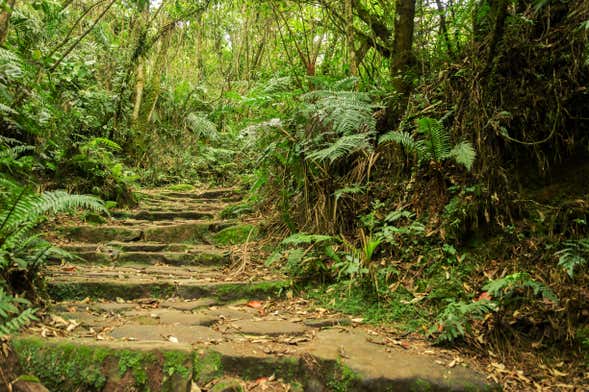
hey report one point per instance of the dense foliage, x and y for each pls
(428, 160)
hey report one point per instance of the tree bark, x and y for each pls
(139, 85)
(402, 60)
(5, 20)
(350, 38)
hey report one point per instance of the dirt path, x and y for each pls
(151, 304)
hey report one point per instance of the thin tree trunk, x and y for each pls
(5, 20)
(350, 38)
(444, 27)
(402, 59)
(139, 86)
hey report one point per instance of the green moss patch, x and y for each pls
(235, 235)
(70, 366)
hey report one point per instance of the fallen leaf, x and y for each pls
(254, 304)
(484, 296)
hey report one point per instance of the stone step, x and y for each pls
(141, 247)
(172, 232)
(150, 215)
(151, 257)
(330, 360)
(156, 282)
(222, 194)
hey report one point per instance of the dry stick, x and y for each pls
(76, 23)
(5, 381)
(67, 52)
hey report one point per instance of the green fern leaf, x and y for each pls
(464, 154)
(342, 147)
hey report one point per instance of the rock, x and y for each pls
(28, 384)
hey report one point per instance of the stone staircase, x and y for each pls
(151, 304)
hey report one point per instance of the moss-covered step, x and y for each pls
(113, 256)
(235, 235)
(114, 246)
(163, 215)
(86, 365)
(170, 232)
(214, 193)
(133, 287)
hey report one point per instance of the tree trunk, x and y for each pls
(350, 38)
(139, 85)
(5, 20)
(402, 60)
(444, 27)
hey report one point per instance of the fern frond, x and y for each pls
(201, 126)
(342, 147)
(17, 323)
(305, 239)
(103, 142)
(505, 287)
(352, 190)
(59, 201)
(437, 138)
(277, 85)
(574, 255)
(464, 154)
(405, 139)
(344, 112)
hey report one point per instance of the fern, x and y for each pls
(506, 287)
(437, 138)
(403, 138)
(351, 190)
(342, 147)
(21, 248)
(456, 319)
(344, 112)
(201, 126)
(435, 144)
(277, 85)
(574, 255)
(464, 154)
(304, 239)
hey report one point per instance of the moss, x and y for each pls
(109, 290)
(181, 187)
(65, 366)
(28, 378)
(342, 378)
(420, 386)
(135, 362)
(235, 235)
(207, 366)
(175, 363)
(228, 385)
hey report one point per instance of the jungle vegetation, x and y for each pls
(424, 161)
